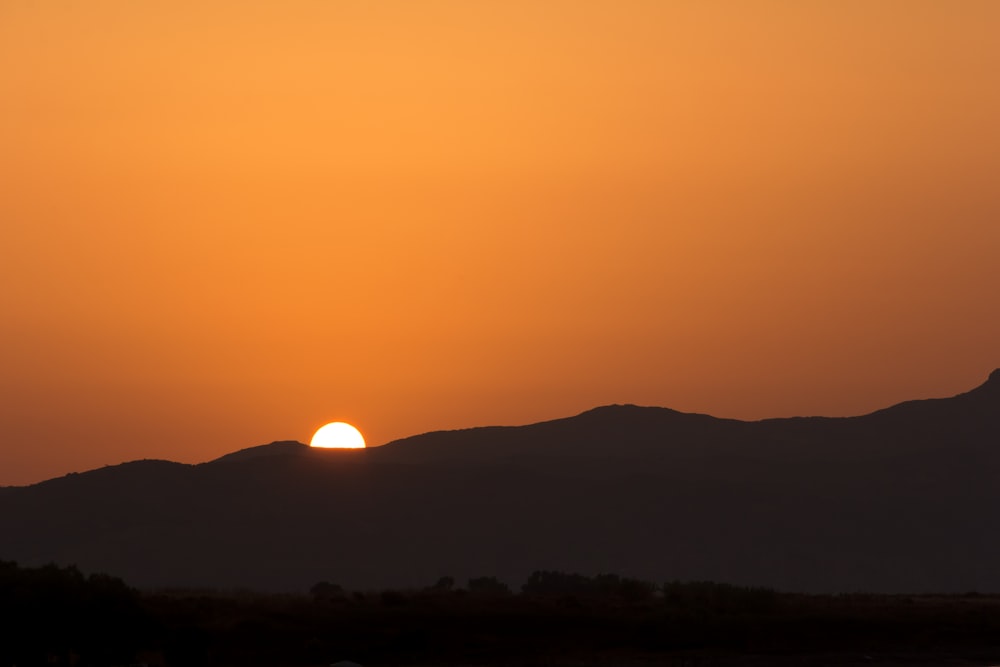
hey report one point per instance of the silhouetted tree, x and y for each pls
(710, 596)
(324, 590)
(547, 582)
(393, 598)
(49, 613)
(444, 584)
(488, 585)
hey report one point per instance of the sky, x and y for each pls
(227, 223)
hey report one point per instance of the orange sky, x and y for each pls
(226, 223)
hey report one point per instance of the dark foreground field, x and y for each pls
(464, 629)
(56, 616)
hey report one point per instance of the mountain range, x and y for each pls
(905, 499)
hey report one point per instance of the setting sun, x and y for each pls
(338, 435)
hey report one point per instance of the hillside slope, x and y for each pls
(903, 499)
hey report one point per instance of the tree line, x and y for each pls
(707, 595)
(58, 615)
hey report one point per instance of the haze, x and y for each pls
(229, 223)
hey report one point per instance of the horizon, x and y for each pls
(897, 501)
(335, 452)
(231, 223)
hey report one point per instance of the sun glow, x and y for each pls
(338, 435)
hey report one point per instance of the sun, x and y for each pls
(338, 435)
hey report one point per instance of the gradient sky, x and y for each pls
(226, 223)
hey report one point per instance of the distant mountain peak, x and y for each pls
(992, 385)
(622, 406)
(612, 407)
(989, 388)
(624, 409)
(276, 448)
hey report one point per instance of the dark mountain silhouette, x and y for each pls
(280, 448)
(903, 499)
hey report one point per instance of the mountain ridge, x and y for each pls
(991, 387)
(898, 500)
